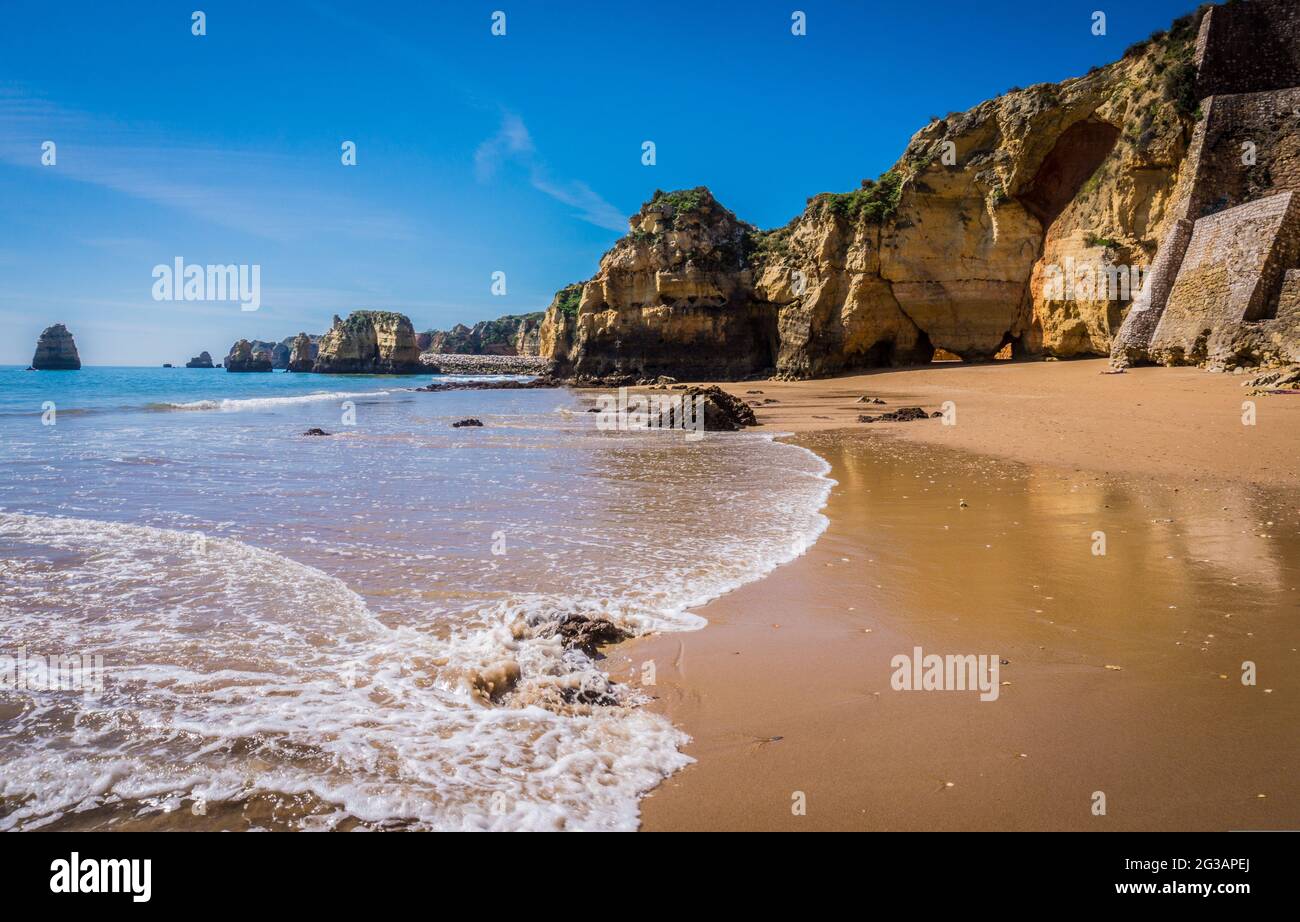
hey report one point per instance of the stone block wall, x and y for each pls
(1210, 281)
(1248, 46)
(1232, 275)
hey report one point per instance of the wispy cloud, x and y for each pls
(245, 190)
(513, 144)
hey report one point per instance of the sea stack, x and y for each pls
(55, 350)
(202, 360)
(370, 342)
(303, 355)
(242, 358)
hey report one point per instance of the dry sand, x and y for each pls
(787, 692)
(1183, 422)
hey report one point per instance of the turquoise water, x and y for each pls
(102, 389)
(296, 631)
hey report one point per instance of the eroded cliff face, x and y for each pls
(243, 358)
(676, 295)
(1026, 224)
(302, 355)
(369, 342)
(513, 334)
(555, 334)
(834, 310)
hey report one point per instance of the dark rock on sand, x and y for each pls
(315, 431)
(437, 386)
(596, 690)
(461, 423)
(904, 415)
(723, 412)
(1280, 381)
(56, 350)
(579, 632)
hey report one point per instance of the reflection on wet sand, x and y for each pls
(1123, 669)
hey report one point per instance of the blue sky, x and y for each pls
(475, 153)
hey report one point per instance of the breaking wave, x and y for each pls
(234, 405)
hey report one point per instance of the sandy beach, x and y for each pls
(1121, 674)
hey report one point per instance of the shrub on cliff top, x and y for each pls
(682, 199)
(567, 299)
(761, 245)
(357, 321)
(874, 202)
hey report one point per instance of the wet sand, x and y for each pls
(787, 691)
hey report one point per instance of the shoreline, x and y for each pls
(1180, 421)
(786, 690)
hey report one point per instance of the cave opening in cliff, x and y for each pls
(943, 355)
(1077, 155)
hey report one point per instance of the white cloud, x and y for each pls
(513, 144)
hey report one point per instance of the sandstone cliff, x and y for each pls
(369, 342)
(303, 353)
(1026, 225)
(513, 334)
(242, 358)
(676, 295)
(56, 351)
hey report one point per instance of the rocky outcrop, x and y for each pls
(513, 334)
(1278, 381)
(559, 321)
(56, 351)
(1027, 225)
(369, 342)
(242, 358)
(202, 360)
(676, 295)
(280, 353)
(276, 353)
(580, 632)
(302, 354)
(723, 412)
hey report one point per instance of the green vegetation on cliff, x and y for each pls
(568, 298)
(1176, 50)
(359, 321)
(683, 199)
(875, 202)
